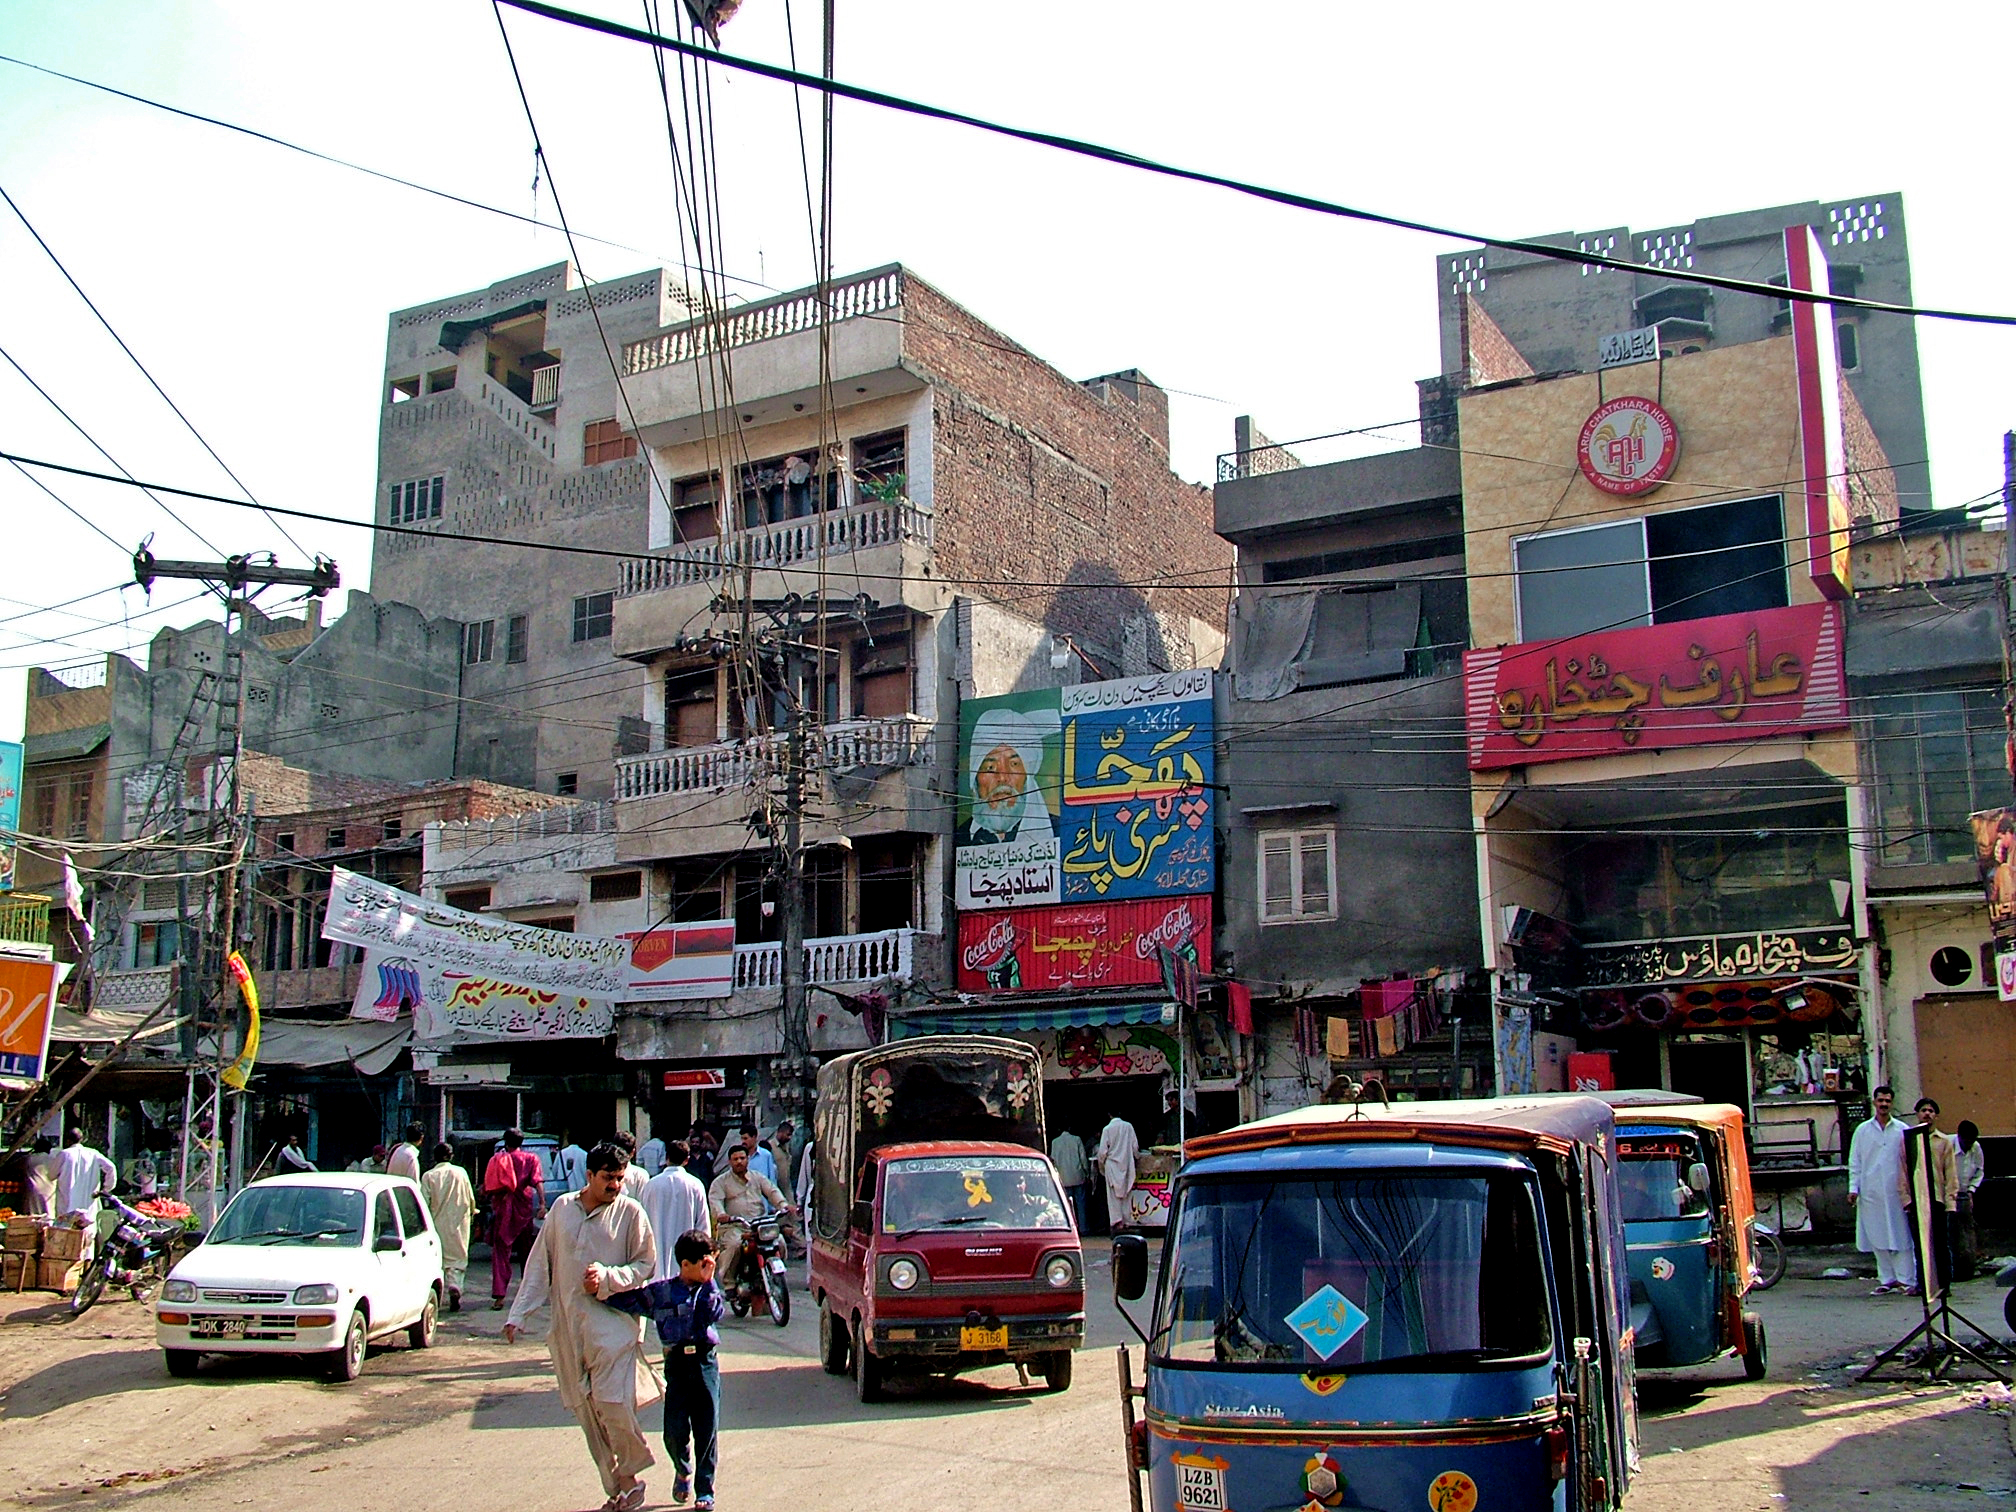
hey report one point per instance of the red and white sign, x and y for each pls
(2005, 975)
(682, 961)
(1698, 682)
(1823, 450)
(1080, 944)
(697, 1079)
(1629, 446)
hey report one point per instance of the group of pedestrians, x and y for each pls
(1882, 1170)
(1112, 1157)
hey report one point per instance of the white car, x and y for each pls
(311, 1263)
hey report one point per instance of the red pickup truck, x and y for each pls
(940, 1239)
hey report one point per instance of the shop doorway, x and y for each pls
(1084, 1105)
(1716, 1070)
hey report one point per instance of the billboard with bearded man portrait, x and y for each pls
(1087, 793)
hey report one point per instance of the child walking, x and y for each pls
(686, 1309)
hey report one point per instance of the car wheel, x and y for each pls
(1756, 1351)
(347, 1363)
(182, 1363)
(833, 1348)
(421, 1334)
(1056, 1369)
(869, 1378)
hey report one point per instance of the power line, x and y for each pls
(1238, 186)
(188, 424)
(390, 178)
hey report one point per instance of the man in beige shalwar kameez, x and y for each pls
(452, 1201)
(596, 1242)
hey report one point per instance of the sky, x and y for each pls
(255, 283)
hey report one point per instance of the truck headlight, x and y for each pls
(179, 1291)
(1060, 1272)
(313, 1296)
(903, 1274)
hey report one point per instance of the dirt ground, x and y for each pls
(88, 1416)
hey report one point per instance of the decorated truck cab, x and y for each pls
(941, 1242)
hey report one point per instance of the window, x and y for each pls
(689, 709)
(1297, 868)
(879, 463)
(62, 806)
(1360, 559)
(696, 892)
(402, 389)
(887, 884)
(479, 642)
(441, 380)
(515, 635)
(1848, 337)
(558, 923)
(1683, 564)
(335, 837)
(395, 829)
(1938, 758)
(284, 842)
(566, 784)
(385, 1228)
(156, 944)
(468, 899)
(411, 1217)
(416, 499)
(882, 677)
(696, 504)
(615, 887)
(604, 441)
(594, 617)
(786, 488)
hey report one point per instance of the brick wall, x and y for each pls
(1872, 481)
(1039, 479)
(1489, 355)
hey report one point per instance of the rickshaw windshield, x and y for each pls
(1371, 1270)
(980, 1191)
(1652, 1177)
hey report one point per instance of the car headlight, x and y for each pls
(903, 1274)
(1060, 1271)
(311, 1296)
(179, 1291)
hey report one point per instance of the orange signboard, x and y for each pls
(27, 1004)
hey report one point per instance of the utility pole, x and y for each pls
(225, 917)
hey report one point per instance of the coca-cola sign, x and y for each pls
(1080, 945)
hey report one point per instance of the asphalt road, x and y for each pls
(88, 1416)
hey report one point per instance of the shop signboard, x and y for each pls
(454, 1006)
(697, 1079)
(1628, 446)
(1767, 953)
(1995, 858)
(1694, 682)
(1624, 348)
(27, 1006)
(2005, 976)
(1078, 945)
(678, 961)
(10, 808)
(1092, 792)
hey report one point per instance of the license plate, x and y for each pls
(776, 1266)
(218, 1328)
(984, 1338)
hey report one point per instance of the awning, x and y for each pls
(108, 1026)
(455, 332)
(1021, 1020)
(64, 745)
(369, 1046)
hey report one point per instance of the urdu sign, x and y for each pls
(1623, 348)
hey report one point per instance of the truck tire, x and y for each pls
(833, 1350)
(1056, 1369)
(869, 1378)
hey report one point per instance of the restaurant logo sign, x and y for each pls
(1629, 446)
(1697, 682)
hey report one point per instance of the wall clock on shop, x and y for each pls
(1628, 446)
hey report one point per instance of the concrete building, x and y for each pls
(1555, 313)
(1347, 855)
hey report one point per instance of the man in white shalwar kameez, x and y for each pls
(1875, 1183)
(595, 1243)
(1114, 1155)
(676, 1203)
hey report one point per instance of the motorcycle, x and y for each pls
(136, 1255)
(761, 1270)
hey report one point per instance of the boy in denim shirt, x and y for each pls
(686, 1308)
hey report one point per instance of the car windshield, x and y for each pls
(971, 1191)
(276, 1215)
(1350, 1272)
(1652, 1177)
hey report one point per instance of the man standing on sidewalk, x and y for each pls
(1067, 1153)
(1115, 1155)
(675, 1202)
(511, 1182)
(451, 1201)
(595, 1243)
(1875, 1176)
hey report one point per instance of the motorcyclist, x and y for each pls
(740, 1193)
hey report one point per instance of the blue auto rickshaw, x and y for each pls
(1393, 1308)
(1684, 1177)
